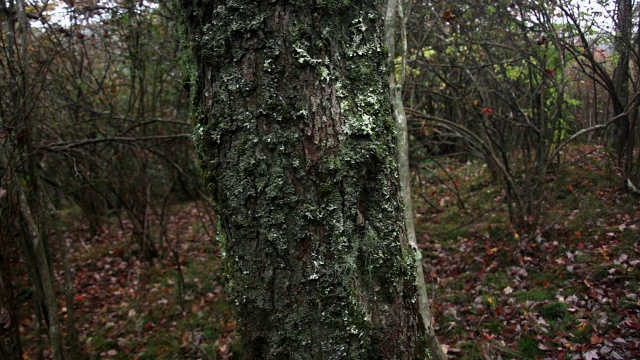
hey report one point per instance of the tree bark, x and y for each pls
(293, 126)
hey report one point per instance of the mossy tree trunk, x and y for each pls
(294, 129)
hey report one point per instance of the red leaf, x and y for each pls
(549, 72)
(448, 15)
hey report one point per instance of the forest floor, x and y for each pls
(566, 291)
(129, 308)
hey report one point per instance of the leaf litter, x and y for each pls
(568, 292)
(129, 308)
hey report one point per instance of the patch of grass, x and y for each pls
(490, 301)
(459, 282)
(494, 326)
(583, 258)
(457, 331)
(497, 280)
(533, 295)
(471, 352)
(168, 345)
(558, 317)
(100, 343)
(582, 335)
(554, 311)
(628, 304)
(161, 352)
(601, 272)
(457, 299)
(528, 346)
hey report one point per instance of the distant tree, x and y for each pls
(513, 92)
(293, 126)
(614, 72)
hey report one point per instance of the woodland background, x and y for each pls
(523, 121)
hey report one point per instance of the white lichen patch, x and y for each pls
(198, 131)
(267, 65)
(325, 75)
(302, 55)
(361, 46)
(363, 114)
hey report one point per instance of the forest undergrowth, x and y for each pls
(567, 290)
(129, 308)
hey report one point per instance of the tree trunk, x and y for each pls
(395, 18)
(295, 134)
(621, 78)
(21, 176)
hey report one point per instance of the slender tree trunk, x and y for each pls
(294, 129)
(395, 19)
(621, 78)
(10, 344)
(49, 299)
(21, 174)
(69, 292)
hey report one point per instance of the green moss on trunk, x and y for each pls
(294, 130)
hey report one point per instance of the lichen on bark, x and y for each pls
(294, 131)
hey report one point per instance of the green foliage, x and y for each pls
(533, 295)
(556, 311)
(102, 344)
(528, 346)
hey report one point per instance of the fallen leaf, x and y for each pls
(589, 355)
